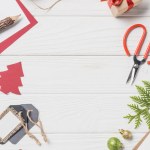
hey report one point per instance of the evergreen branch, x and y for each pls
(130, 118)
(138, 121)
(134, 107)
(142, 102)
(147, 85)
(141, 106)
(143, 92)
(146, 116)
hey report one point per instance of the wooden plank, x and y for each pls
(78, 113)
(73, 142)
(83, 8)
(84, 74)
(78, 36)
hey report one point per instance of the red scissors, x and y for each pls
(137, 63)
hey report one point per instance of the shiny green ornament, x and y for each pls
(114, 144)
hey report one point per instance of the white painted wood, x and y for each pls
(5, 127)
(79, 36)
(84, 8)
(75, 72)
(78, 113)
(84, 74)
(73, 142)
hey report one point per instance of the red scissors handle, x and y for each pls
(149, 50)
(141, 42)
(147, 53)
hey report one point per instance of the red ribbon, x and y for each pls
(130, 4)
(119, 2)
(116, 2)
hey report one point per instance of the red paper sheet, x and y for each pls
(6, 43)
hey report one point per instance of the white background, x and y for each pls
(75, 73)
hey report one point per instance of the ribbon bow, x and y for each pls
(115, 2)
(119, 2)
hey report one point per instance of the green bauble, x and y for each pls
(114, 144)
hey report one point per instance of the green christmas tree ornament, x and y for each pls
(114, 144)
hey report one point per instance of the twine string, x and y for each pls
(39, 125)
(25, 126)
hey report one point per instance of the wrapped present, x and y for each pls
(118, 7)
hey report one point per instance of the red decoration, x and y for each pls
(130, 4)
(10, 80)
(6, 43)
(119, 2)
(116, 2)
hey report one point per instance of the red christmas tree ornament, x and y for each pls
(10, 80)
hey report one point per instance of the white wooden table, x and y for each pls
(75, 73)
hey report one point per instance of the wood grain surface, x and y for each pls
(75, 73)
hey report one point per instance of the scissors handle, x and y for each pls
(147, 53)
(148, 62)
(141, 42)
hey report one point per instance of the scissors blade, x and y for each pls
(133, 73)
(130, 75)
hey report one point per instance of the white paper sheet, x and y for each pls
(7, 124)
(11, 8)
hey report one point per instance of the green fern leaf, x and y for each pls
(141, 106)
(138, 121)
(146, 116)
(134, 107)
(143, 92)
(147, 85)
(142, 102)
(138, 100)
(130, 118)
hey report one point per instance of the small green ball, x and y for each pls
(114, 144)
